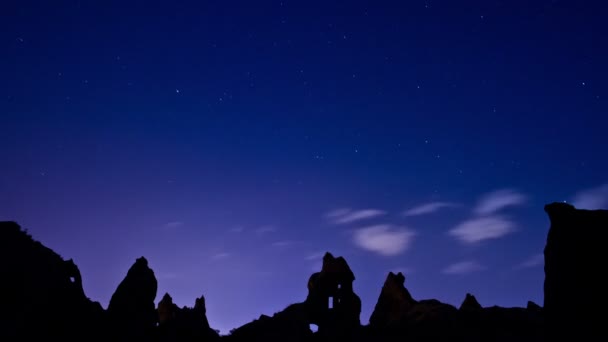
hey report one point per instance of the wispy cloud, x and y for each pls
(534, 261)
(221, 255)
(345, 215)
(482, 228)
(428, 208)
(174, 224)
(237, 229)
(337, 213)
(463, 267)
(265, 230)
(315, 256)
(497, 200)
(283, 243)
(595, 198)
(384, 239)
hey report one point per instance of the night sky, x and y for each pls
(231, 143)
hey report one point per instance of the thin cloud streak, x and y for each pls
(534, 261)
(265, 230)
(497, 200)
(174, 224)
(284, 243)
(592, 199)
(428, 208)
(344, 216)
(483, 228)
(463, 267)
(315, 256)
(218, 256)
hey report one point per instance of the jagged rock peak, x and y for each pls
(339, 265)
(470, 303)
(166, 298)
(166, 309)
(199, 304)
(393, 303)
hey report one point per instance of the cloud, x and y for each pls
(283, 243)
(174, 224)
(482, 228)
(221, 255)
(534, 261)
(237, 229)
(343, 216)
(463, 267)
(384, 239)
(338, 212)
(266, 229)
(497, 200)
(315, 256)
(595, 198)
(427, 208)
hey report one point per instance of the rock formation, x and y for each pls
(331, 302)
(42, 293)
(185, 324)
(470, 303)
(398, 315)
(44, 300)
(574, 286)
(394, 302)
(132, 310)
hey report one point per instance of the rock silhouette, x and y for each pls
(132, 310)
(394, 302)
(334, 283)
(45, 300)
(331, 304)
(575, 288)
(470, 303)
(185, 324)
(43, 294)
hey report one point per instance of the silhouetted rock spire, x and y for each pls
(394, 302)
(132, 309)
(185, 324)
(470, 303)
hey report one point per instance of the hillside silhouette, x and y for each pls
(44, 300)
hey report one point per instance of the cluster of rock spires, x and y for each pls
(45, 299)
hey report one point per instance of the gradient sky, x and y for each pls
(231, 143)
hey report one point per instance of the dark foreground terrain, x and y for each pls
(43, 300)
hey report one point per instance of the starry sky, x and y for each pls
(231, 143)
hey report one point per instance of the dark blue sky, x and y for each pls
(232, 142)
